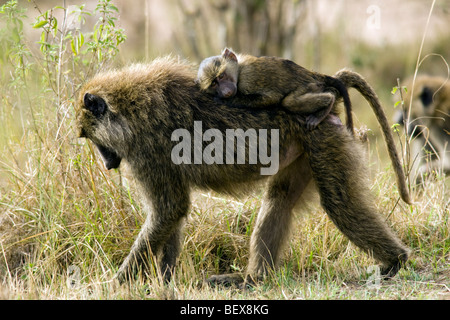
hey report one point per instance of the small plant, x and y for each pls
(405, 145)
(14, 51)
(70, 55)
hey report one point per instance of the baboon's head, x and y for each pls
(123, 111)
(104, 106)
(95, 120)
(430, 107)
(218, 75)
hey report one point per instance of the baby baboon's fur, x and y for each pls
(268, 81)
(131, 114)
(429, 124)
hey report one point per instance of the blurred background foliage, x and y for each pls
(323, 35)
(380, 39)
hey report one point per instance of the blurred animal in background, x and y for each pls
(428, 125)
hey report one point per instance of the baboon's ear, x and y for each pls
(426, 96)
(95, 104)
(229, 54)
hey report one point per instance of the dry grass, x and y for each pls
(85, 226)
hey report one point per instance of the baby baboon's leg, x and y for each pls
(160, 233)
(341, 176)
(274, 219)
(315, 106)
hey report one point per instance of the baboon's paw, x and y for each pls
(226, 280)
(390, 271)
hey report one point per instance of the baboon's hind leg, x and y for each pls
(340, 173)
(274, 219)
(273, 223)
(314, 106)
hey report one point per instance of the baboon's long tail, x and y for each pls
(341, 177)
(342, 88)
(355, 80)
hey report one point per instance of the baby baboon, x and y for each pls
(429, 125)
(268, 81)
(131, 115)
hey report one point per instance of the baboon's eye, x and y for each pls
(220, 77)
(214, 83)
(95, 104)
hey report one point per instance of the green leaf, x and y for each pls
(112, 7)
(396, 127)
(73, 46)
(81, 39)
(40, 24)
(15, 35)
(55, 27)
(20, 25)
(394, 90)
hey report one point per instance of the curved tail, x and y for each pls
(355, 80)
(342, 89)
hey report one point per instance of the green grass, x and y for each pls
(66, 223)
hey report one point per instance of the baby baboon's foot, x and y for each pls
(312, 122)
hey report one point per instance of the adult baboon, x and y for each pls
(429, 125)
(132, 114)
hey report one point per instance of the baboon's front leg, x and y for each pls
(170, 252)
(160, 234)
